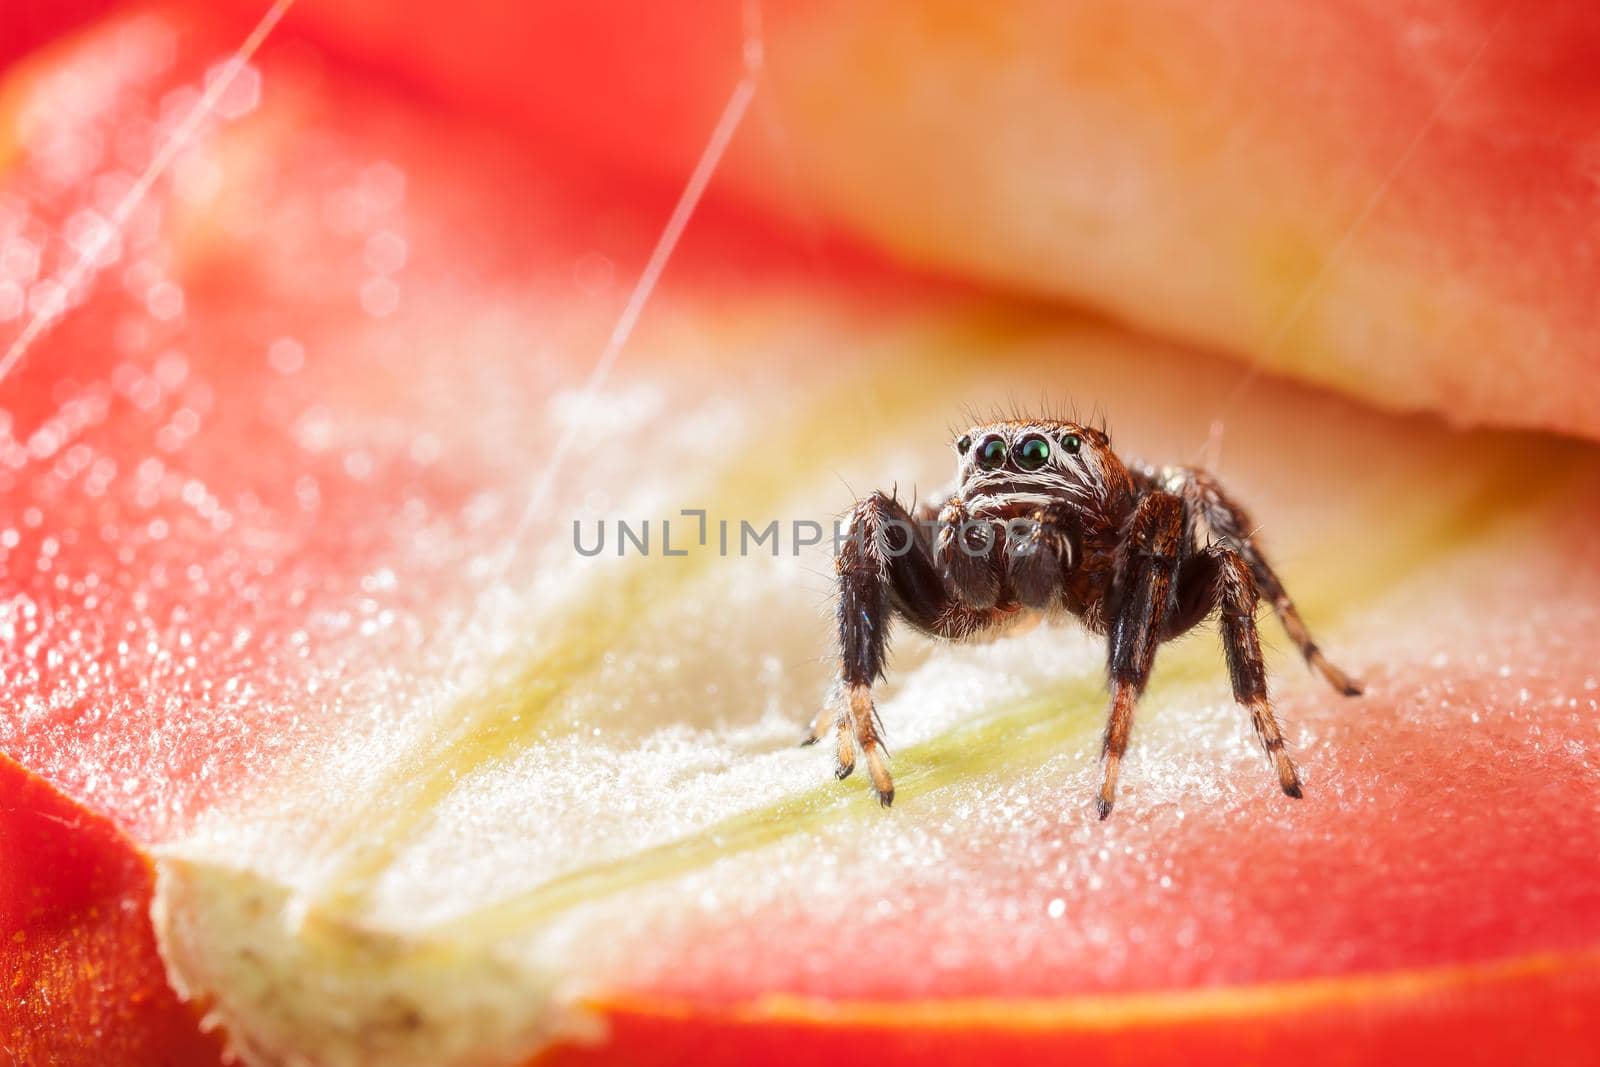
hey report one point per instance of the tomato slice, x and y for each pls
(295, 618)
(1331, 190)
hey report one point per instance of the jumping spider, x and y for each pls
(1046, 520)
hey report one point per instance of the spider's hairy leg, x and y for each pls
(827, 716)
(1146, 593)
(1119, 725)
(865, 726)
(885, 565)
(1039, 553)
(836, 713)
(1301, 636)
(1232, 525)
(1233, 587)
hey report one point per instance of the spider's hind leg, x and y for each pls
(1230, 524)
(1341, 680)
(1221, 577)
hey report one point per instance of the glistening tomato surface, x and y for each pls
(293, 602)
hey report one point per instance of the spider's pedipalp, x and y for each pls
(964, 551)
(1039, 553)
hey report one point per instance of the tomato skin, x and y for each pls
(84, 983)
(1547, 1014)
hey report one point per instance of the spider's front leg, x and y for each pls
(885, 566)
(1145, 592)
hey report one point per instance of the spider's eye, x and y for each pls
(992, 453)
(1071, 442)
(1032, 453)
(963, 445)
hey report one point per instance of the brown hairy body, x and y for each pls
(1046, 520)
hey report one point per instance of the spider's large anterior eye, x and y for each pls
(992, 453)
(1071, 442)
(1032, 453)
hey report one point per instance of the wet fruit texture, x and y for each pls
(83, 981)
(1386, 198)
(293, 618)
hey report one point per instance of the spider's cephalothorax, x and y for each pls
(1046, 519)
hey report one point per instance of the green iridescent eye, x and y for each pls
(992, 453)
(1033, 453)
(1071, 442)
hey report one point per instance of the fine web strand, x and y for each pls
(1280, 335)
(55, 304)
(733, 113)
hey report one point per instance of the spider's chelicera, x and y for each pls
(1045, 520)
